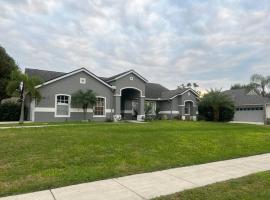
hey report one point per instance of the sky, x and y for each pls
(214, 43)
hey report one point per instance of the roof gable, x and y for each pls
(72, 73)
(118, 76)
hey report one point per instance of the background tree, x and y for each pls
(7, 65)
(260, 82)
(189, 85)
(84, 99)
(249, 86)
(22, 85)
(216, 106)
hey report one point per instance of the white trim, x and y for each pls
(72, 73)
(189, 113)
(83, 81)
(185, 92)
(69, 103)
(168, 112)
(104, 111)
(80, 110)
(109, 110)
(44, 109)
(72, 110)
(126, 111)
(129, 87)
(131, 71)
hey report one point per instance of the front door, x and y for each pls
(134, 109)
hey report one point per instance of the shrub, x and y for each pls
(10, 111)
(216, 106)
(109, 120)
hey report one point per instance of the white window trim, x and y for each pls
(129, 87)
(154, 107)
(82, 80)
(189, 107)
(55, 107)
(104, 108)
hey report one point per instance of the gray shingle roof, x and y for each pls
(44, 75)
(241, 97)
(170, 93)
(154, 90)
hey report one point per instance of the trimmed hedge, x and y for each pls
(11, 111)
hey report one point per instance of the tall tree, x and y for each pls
(23, 85)
(7, 65)
(84, 99)
(260, 82)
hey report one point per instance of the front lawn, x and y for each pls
(253, 187)
(34, 159)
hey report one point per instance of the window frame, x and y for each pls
(154, 108)
(83, 81)
(104, 109)
(191, 104)
(69, 103)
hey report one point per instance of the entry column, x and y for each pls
(141, 113)
(117, 108)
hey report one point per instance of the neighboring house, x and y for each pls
(122, 96)
(249, 106)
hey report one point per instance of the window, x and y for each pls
(152, 105)
(131, 78)
(187, 108)
(62, 105)
(82, 80)
(99, 109)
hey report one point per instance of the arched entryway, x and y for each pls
(130, 103)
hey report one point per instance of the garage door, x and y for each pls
(254, 114)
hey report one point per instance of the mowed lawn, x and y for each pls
(253, 187)
(34, 159)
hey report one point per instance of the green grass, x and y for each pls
(34, 159)
(254, 187)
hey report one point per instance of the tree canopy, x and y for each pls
(23, 85)
(7, 65)
(84, 99)
(216, 106)
(260, 82)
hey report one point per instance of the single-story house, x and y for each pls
(249, 106)
(122, 96)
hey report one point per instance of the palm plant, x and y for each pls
(260, 82)
(23, 85)
(84, 99)
(214, 102)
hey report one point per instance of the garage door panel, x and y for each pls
(249, 116)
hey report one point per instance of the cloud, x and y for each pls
(215, 43)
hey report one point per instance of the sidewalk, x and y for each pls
(150, 185)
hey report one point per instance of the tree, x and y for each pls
(23, 85)
(260, 82)
(7, 65)
(189, 85)
(216, 106)
(249, 86)
(84, 99)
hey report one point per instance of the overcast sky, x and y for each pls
(214, 43)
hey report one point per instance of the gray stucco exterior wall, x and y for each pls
(69, 86)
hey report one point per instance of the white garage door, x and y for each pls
(254, 114)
